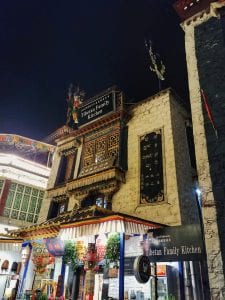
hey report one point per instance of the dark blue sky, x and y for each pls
(46, 45)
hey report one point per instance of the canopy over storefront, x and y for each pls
(10, 244)
(91, 220)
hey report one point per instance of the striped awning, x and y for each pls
(114, 223)
(10, 245)
(92, 220)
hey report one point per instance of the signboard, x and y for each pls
(129, 266)
(177, 243)
(151, 183)
(96, 108)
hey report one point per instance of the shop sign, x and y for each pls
(142, 268)
(55, 246)
(177, 243)
(96, 108)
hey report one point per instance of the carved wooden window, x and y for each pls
(151, 181)
(113, 142)
(101, 149)
(89, 154)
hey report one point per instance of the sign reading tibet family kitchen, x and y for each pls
(177, 243)
(96, 108)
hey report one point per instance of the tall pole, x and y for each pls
(121, 269)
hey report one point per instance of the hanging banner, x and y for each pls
(81, 249)
(55, 246)
(101, 242)
(41, 257)
(177, 243)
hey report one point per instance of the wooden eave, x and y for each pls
(56, 191)
(103, 121)
(85, 182)
(101, 176)
(11, 241)
(77, 217)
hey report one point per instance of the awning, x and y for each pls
(10, 244)
(114, 223)
(87, 221)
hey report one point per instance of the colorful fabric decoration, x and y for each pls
(74, 100)
(55, 246)
(209, 113)
(41, 257)
(90, 266)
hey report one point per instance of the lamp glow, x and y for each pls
(198, 192)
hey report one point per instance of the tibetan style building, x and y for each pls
(204, 26)
(134, 160)
(120, 173)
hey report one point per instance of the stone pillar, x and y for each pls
(209, 209)
(54, 170)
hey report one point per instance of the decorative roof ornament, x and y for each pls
(156, 64)
(75, 99)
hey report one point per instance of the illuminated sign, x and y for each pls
(96, 109)
(176, 243)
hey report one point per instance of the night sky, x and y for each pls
(46, 45)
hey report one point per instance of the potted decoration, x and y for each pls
(43, 297)
(112, 254)
(70, 255)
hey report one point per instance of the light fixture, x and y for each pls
(198, 192)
